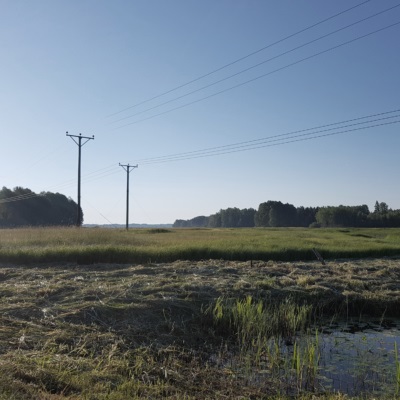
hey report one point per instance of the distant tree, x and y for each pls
(282, 215)
(199, 222)
(247, 217)
(179, 223)
(196, 222)
(276, 214)
(22, 207)
(261, 218)
(230, 218)
(381, 208)
(383, 216)
(343, 216)
(214, 220)
(306, 216)
(62, 209)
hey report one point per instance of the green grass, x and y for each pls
(111, 314)
(93, 245)
(141, 331)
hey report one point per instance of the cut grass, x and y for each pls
(113, 331)
(99, 314)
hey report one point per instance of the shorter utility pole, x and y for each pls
(128, 168)
(80, 144)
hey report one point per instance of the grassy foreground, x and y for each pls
(159, 245)
(151, 331)
(102, 314)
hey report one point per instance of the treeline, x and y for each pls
(277, 214)
(22, 207)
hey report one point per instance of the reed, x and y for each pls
(91, 245)
(253, 323)
(397, 364)
(306, 364)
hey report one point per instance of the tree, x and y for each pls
(214, 220)
(247, 217)
(261, 217)
(26, 208)
(230, 218)
(381, 208)
(306, 216)
(282, 214)
(343, 216)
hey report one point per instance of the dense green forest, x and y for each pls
(22, 207)
(277, 214)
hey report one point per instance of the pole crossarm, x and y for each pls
(80, 137)
(128, 168)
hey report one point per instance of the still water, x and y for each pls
(360, 358)
(353, 358)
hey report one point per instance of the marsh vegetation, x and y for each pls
(27, 245)
(205, 329)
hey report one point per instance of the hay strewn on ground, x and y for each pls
(139, 331)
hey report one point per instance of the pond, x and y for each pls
(356, 359)
(361, 358)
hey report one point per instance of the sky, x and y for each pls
(205, 98)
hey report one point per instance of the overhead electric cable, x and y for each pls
(293, 139)
(19, 197)
(263, 75)
(114, 172)
(94, 208)
(256, 65)
(242, 58)
(274, 140)
(97, 174)
(268, 138)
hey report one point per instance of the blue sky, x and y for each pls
(84, 66)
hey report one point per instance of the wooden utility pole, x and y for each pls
(128, 168)
(80, 144)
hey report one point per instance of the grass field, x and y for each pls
(101, 314)
(160, 245)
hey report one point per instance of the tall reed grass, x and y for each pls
(397, 363)
(253, 322)
(91, 245)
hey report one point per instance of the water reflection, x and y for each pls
(353, 359)
(357, 359)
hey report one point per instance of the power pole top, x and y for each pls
(128, 168)
(80, 137)
(80, 144)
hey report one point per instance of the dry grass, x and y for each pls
(109, 331)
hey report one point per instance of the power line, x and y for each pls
(20, 197)
(263, 75)
(91, 176)
(274, 140)
(261, 140)
(241, 58)
(91, 205)
(310, 133)
(289, 140)
(256, 65)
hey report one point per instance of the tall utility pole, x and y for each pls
(80, 144)
(128, 168)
